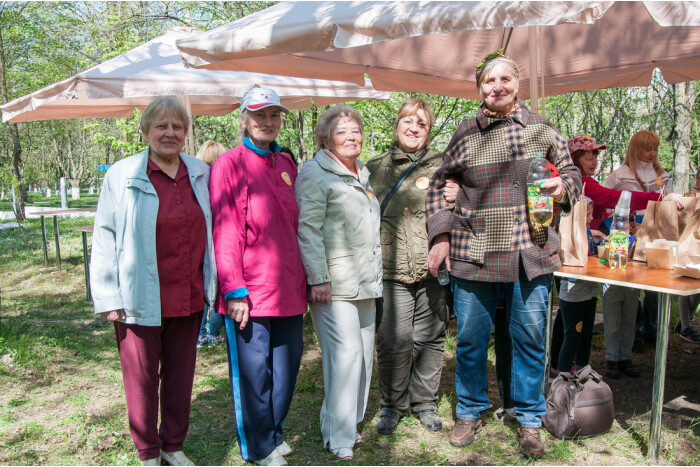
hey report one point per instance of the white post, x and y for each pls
(64, 194)
(48, 192)
(75, 192)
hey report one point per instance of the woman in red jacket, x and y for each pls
(584, 151)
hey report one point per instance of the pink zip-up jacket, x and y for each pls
(255, 219)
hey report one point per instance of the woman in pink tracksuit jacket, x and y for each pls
(262, 285)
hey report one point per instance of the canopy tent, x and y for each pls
(132, 80)
(434, 47)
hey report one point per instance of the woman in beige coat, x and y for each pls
(339, 243)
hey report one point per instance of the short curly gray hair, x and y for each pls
(328, 122)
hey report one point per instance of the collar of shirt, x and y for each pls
(153, 167)
(355, 174)
(520, 116)
(397, 153)
(274, 147)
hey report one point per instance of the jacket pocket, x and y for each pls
(387, 238)
(345, 280)
(468, 242)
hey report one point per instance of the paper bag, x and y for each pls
(660, 221)
(690, 204)
(573, 250)
(660, 255)
(689, 243)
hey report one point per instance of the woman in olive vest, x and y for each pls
(414, 315)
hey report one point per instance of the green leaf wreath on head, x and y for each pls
(493, 55)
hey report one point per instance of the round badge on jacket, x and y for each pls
(423, 183)
(658, 181)
(287, 179)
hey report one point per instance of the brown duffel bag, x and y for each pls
(579, 405)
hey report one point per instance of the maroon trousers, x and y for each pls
(150, 355)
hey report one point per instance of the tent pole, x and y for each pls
(532, 49)
(539, 42)
(190, 131)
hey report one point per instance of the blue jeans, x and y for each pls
(526, 311)
(211, 327)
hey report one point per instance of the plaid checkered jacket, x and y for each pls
(488, 224)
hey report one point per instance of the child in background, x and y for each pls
(577, 304)
(210, 330)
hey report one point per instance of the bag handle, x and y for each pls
(584, 373)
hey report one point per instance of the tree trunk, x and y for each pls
(17, 168)
(300, 137)
(682, 143)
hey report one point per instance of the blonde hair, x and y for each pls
(639, 141)
(164, 105)
(329, 121)
(411, 106)
(209, 151)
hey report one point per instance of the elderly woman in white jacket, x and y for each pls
(152, 271)
(339, 243)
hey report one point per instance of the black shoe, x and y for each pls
(627, 368)
(430, 419)
(613, 370)
(638, 346)
(678, 327)
(690, 334)
(388, 421)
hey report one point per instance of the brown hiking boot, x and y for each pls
(462, 434)
(530, 443)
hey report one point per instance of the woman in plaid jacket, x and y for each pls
(490, 249)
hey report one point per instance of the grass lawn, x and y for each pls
(62, 400)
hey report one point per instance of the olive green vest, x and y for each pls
(404, 234)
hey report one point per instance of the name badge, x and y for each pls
(287, 179)
(423, 183)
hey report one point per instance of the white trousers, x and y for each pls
(345, 332)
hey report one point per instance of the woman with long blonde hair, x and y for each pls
(640, 171)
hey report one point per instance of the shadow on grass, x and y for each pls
(638, 439)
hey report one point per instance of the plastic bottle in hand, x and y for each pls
(443, 275)
(619, 232)
(540, 206)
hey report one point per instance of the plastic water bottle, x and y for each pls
(619, 232)
(540, 206)
(443, 276)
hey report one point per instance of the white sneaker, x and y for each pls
(343, 454)
(274, 458)
(284, 449)
(175, 458)
(154, 461)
